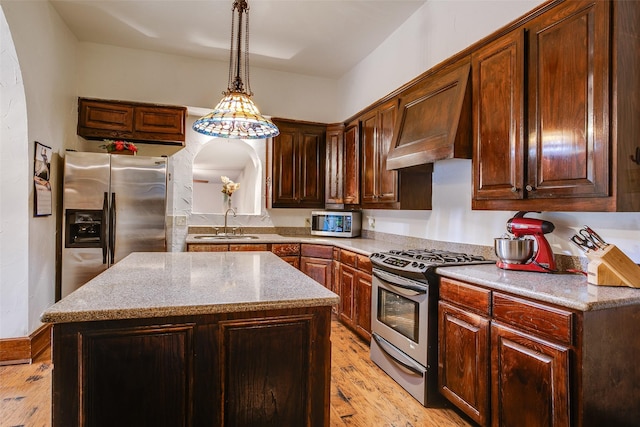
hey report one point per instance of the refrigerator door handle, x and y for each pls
(103, 227)
(112, 228)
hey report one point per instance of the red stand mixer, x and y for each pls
(517, 253)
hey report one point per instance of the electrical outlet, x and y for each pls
(372, 222)
(180, 219)
(307, 222)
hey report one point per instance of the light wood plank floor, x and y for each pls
(361, 394)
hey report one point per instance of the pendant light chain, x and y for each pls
(246, 55)
(236, 116)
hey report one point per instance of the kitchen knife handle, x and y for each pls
(103, 227)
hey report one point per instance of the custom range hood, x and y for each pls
(434, 120)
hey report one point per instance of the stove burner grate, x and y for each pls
(436, 256)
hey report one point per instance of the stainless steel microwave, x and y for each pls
(336, 223)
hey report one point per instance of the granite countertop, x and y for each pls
(567, 290)
(357, 244)
(159, 284)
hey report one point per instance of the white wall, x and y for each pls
(14, 201)
(129, 74)
(46, 51)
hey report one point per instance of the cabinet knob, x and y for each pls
(514, 189)
(530, 188)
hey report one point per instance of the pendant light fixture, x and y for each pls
(236, 116)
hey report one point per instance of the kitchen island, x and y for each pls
(177, 339)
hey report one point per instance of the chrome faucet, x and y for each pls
(225, 219)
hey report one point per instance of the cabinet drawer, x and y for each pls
(248, 247)
(468, 296)
(347, 257)
(364, 263)
(540, 319)
(285, 249)
(200, 247)
(317, 251)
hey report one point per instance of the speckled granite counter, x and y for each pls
(158, 284)
(360, 245)
(567, 290)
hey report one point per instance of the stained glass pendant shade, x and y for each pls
(236, 116)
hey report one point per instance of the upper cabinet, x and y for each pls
(553, 107)
(105, 119)
(334, 183)
(351, 183)
(298, 165)
(379, 185)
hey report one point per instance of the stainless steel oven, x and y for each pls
(400, 330)
(404, 327)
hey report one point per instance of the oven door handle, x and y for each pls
(407, 363)
(400, 284)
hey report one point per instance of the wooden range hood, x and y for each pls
(434, 120)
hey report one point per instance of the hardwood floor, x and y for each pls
(361, 393)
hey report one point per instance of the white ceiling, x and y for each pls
(323, 38)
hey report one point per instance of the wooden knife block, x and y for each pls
(611, 267)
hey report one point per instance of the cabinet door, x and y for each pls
(318, 269)
(298, 160)
(334, 185)
(568, 89)
(347, 283)
(387, 180)
(530, 384)
(159, 123)
(285, 168)
(498, 111)
(312, 176)
(362, 304)
(98, 118)
(352, 164)
(463, 363)
(369, 160)
(379, 186)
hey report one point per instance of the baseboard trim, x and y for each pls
(25, 349)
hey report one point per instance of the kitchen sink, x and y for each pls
(225, 237)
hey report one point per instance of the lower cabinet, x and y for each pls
(463, 370)
(229, 369)
(503, 360)
(316, 261)
(289, 252)
(354, 289)
(530, 376)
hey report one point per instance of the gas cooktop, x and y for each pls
(418, 263)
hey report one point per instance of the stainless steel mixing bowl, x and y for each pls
(513, 251)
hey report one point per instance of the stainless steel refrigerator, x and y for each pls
(112, 205)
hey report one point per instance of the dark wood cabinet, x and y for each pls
(316, 261)
(298, 165)
(289, 252)
(354, 288)
(548, 122)
(195, 370)
(463, 345)
(137, 122)
(504, 360)
(379, 185)
(347, 278)
(530, 379)
(334, 184)
(351, 157)
(362, 298)
(342, 185)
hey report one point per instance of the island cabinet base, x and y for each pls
(268, 368)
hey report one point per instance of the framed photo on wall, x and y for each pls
(42, 180)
